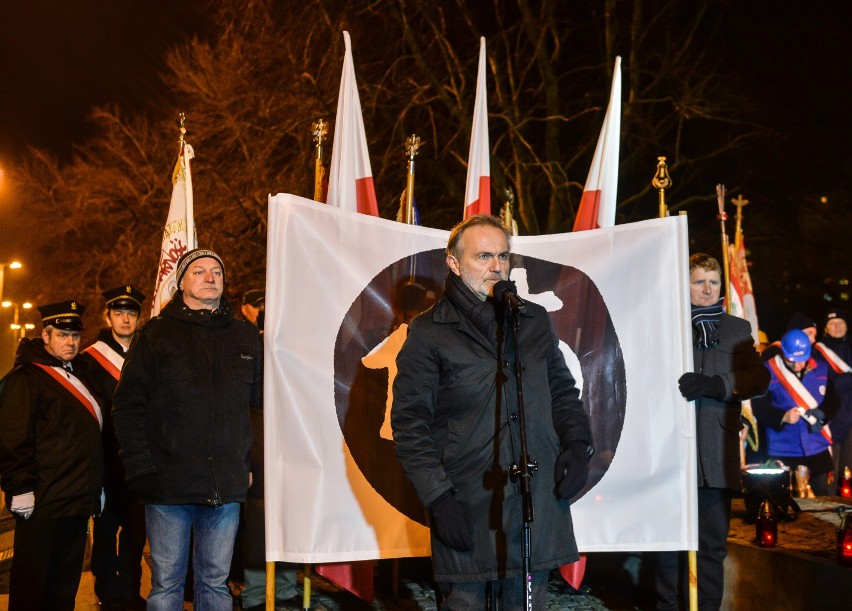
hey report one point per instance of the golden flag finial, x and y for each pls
(661, 182)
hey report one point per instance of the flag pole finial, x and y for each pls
(661, 182)
(412, 146)
(182, 125)
(319, 131)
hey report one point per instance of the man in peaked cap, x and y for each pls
(117, 572)
(51, 461)
(181, 412)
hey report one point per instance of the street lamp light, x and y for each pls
(16, 325)
(3, 266)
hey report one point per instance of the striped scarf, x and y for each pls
(704, 321)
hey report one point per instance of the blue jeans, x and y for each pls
(214, 530)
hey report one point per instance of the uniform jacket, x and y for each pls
(793, 439)
(181, 408)
(105, 384)
(718, 424)
(49, 442)
(455, 425)
(841, 421)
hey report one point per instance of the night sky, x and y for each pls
(58, 59)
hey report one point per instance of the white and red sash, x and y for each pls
(107, 358)
(73, 385)
(797, 391)
(834, 361)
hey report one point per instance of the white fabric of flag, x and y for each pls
(330, 350)
(477, 192)
(350, 177)
(597, 206)
(179, 232)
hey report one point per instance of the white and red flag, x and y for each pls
(179, 232)
(350, 179)
(597, 206)
(477, 192)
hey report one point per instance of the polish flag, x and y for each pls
(597, 207)
(477, 193)
(350, 180)
(350, 186)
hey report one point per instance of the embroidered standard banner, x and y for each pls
(341, 288)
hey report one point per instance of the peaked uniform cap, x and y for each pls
(124, 297)
(65, 315)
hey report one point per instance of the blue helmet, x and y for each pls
(796, 346)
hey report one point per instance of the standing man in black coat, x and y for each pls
(181, 412)
(117, 571)
(51, 462)
(456, 427)
(728, 371)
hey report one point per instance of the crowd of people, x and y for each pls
(156, 431)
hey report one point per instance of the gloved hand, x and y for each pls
(451, 522)
(571, 471)
(815, 419)
(146, 487)
(694, 385)
(23, 504)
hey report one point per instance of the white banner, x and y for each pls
(341, 287)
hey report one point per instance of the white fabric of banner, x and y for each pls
(325, 265)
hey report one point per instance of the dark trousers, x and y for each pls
(118, 574)
(47, 563)
(672, 569)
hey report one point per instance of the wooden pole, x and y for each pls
(726, 258)
(661, 182)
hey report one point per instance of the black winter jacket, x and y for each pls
(49, 442)
(181, 408)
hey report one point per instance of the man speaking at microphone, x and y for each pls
(457, 428)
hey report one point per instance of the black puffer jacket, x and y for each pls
(181, 408)
(50, 444)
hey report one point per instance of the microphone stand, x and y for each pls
(524, 471)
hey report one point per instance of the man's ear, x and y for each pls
(453, 264)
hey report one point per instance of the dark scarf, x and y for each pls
(481, 314)
(704, 320)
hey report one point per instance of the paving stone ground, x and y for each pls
(614, 581)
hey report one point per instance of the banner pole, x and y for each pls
(726, 255)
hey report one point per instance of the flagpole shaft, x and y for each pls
(270, 586)
(306, 586)
(692, 557)
(319, 131)
(726, 257)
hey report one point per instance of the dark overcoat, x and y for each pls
(718, 423)
(455, 425)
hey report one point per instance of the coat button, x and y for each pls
(514, 416)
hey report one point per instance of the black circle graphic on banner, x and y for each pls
(409, 286)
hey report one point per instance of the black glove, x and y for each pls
(571, 471)
(451, 523)
(146, 487)
(694, 385)
(818, 416)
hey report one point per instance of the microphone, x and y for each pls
(506, 292)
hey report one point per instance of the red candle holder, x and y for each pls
(766, 526)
